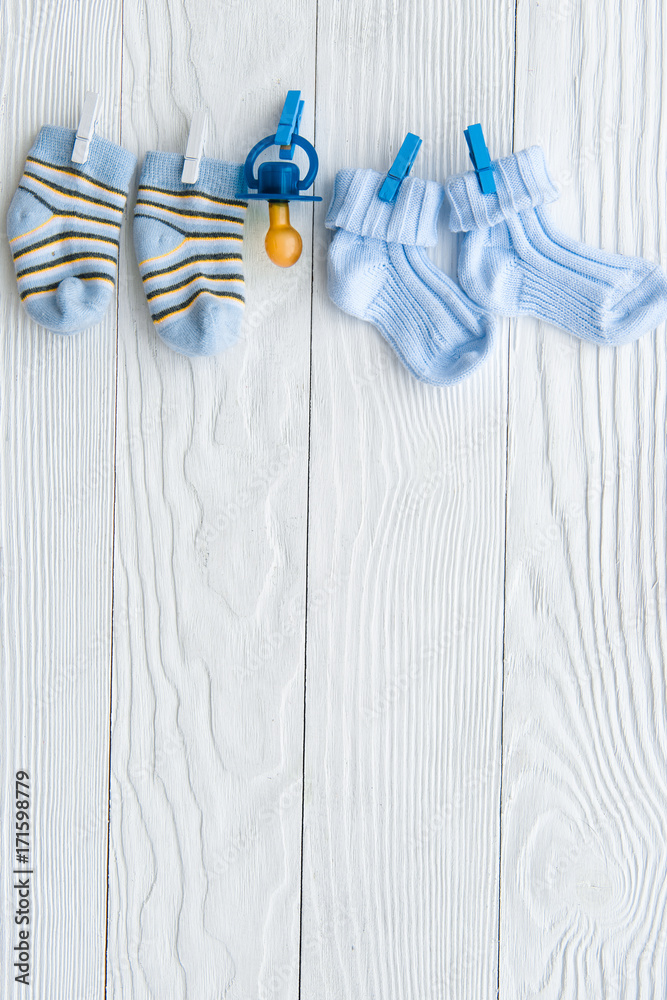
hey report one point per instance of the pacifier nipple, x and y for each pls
(282, 242)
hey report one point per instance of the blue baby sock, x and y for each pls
(188, 239)
(378, 271)
(512, 260)
(63, 225)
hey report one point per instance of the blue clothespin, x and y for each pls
(288, 126)
(400, 168)
(481, 160)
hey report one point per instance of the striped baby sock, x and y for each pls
(513, 259)
(63, 226)
(379, 271)
(189, 239)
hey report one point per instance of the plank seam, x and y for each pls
(113, 526)
(305, 616)
(502, 682)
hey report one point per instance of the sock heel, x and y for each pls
(25, 215)
(355, 276)
(488, 271)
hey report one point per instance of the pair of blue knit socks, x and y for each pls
(511, 261)
(64, 225)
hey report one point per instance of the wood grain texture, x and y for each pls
(406, 546)
(419, 843)
(209, 594)
(56, 504)
(584, 841)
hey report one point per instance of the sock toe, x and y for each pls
(639, 311)
(209, 326)
(72, 306)
(453, 364)
(73, 294)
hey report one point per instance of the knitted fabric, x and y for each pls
(63, 227)
(513, 260)
(188, 239)
(379, 271)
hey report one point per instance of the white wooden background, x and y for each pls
(331, 684)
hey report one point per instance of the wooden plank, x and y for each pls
(209, 598)
(57, 398)
(585, 729)
(406, 545)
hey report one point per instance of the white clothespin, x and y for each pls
(195, 148)
(86, 128)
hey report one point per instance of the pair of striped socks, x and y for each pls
(512, 261)
(64, 226)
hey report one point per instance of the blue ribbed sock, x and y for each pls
(189, 239)
(378, 271)
(512, 259)
(63, 225)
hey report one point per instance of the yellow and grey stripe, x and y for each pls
(205, 261)
(80, 236)
(191, 197)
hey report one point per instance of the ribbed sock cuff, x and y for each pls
(411, 219)
(107, 163)
(522, 182)
(216, 177)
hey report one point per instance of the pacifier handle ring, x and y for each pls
(270, 140)
(256, 150)
(313, 162)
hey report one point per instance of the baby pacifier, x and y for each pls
(279, 183)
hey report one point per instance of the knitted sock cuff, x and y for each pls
(107, 163)
(522, 182)
(216, 177)
(411, 219)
